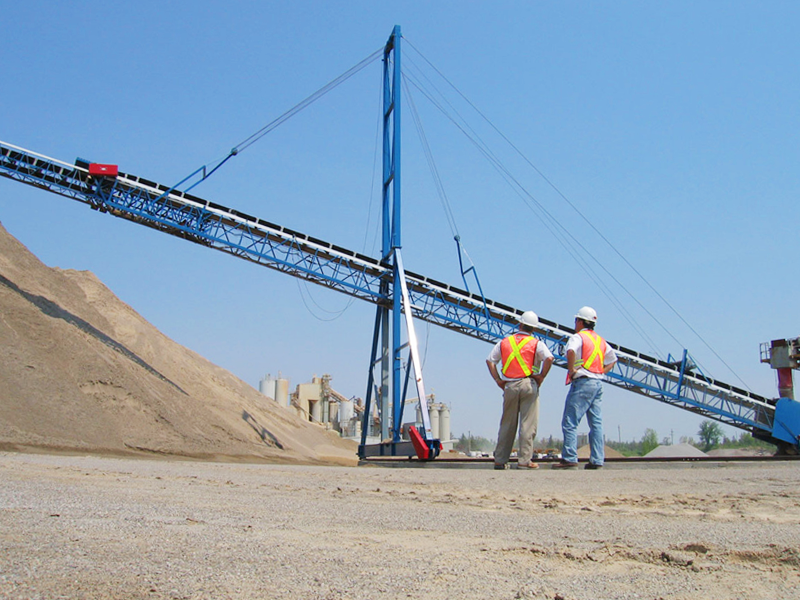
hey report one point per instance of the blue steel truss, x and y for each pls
(294, 253)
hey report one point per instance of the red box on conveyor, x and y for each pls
(98, 170)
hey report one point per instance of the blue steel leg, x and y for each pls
(397, 365)
(370, 382)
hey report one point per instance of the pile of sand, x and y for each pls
(585, 451)
(82, 371)
(675, 451)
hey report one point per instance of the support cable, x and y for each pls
(591, 225)
(374, 180)
(247, 142)
(244, 144)
(451, 220)
(556, 229)
(437, 180)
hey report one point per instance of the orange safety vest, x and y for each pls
(592, 351)
(518, 354)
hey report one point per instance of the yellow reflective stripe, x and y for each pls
(515, 354)
(596, 351)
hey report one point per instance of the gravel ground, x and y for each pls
(98, 527)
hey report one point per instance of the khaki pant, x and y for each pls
(520, 407)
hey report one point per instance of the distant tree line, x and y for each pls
(710, 436)
(474, 443)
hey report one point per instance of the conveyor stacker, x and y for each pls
(396, 292)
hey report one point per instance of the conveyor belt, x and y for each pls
(300, 255)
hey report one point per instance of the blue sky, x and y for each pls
(671, 127)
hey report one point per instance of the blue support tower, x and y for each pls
(388, 318)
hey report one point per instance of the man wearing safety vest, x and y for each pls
(589, 358)
(519, 364)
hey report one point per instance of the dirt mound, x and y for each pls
(82, 371)
(585, 451)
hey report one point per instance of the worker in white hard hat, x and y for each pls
(519, 364)
(589, 358)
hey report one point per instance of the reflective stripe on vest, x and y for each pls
(518, 355)
(592, 352)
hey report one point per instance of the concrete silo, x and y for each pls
(267, 386)
(444, 423)
(282, 391)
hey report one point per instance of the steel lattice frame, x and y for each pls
(314, 260)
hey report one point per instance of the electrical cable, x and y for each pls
(307, 288)
(336, 314)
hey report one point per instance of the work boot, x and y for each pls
(565, 464)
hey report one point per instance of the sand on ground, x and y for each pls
(100, 528)
(142, 470)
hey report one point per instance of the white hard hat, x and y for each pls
(587, 313)
(529, 318)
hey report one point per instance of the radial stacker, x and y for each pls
(396, 292)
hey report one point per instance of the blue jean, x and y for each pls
(584, 398)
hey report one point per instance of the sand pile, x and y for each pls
(82, 371)
(585, 451)
(675, 451)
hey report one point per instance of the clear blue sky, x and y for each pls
(672, 127)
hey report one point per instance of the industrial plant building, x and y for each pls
(317, 402)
